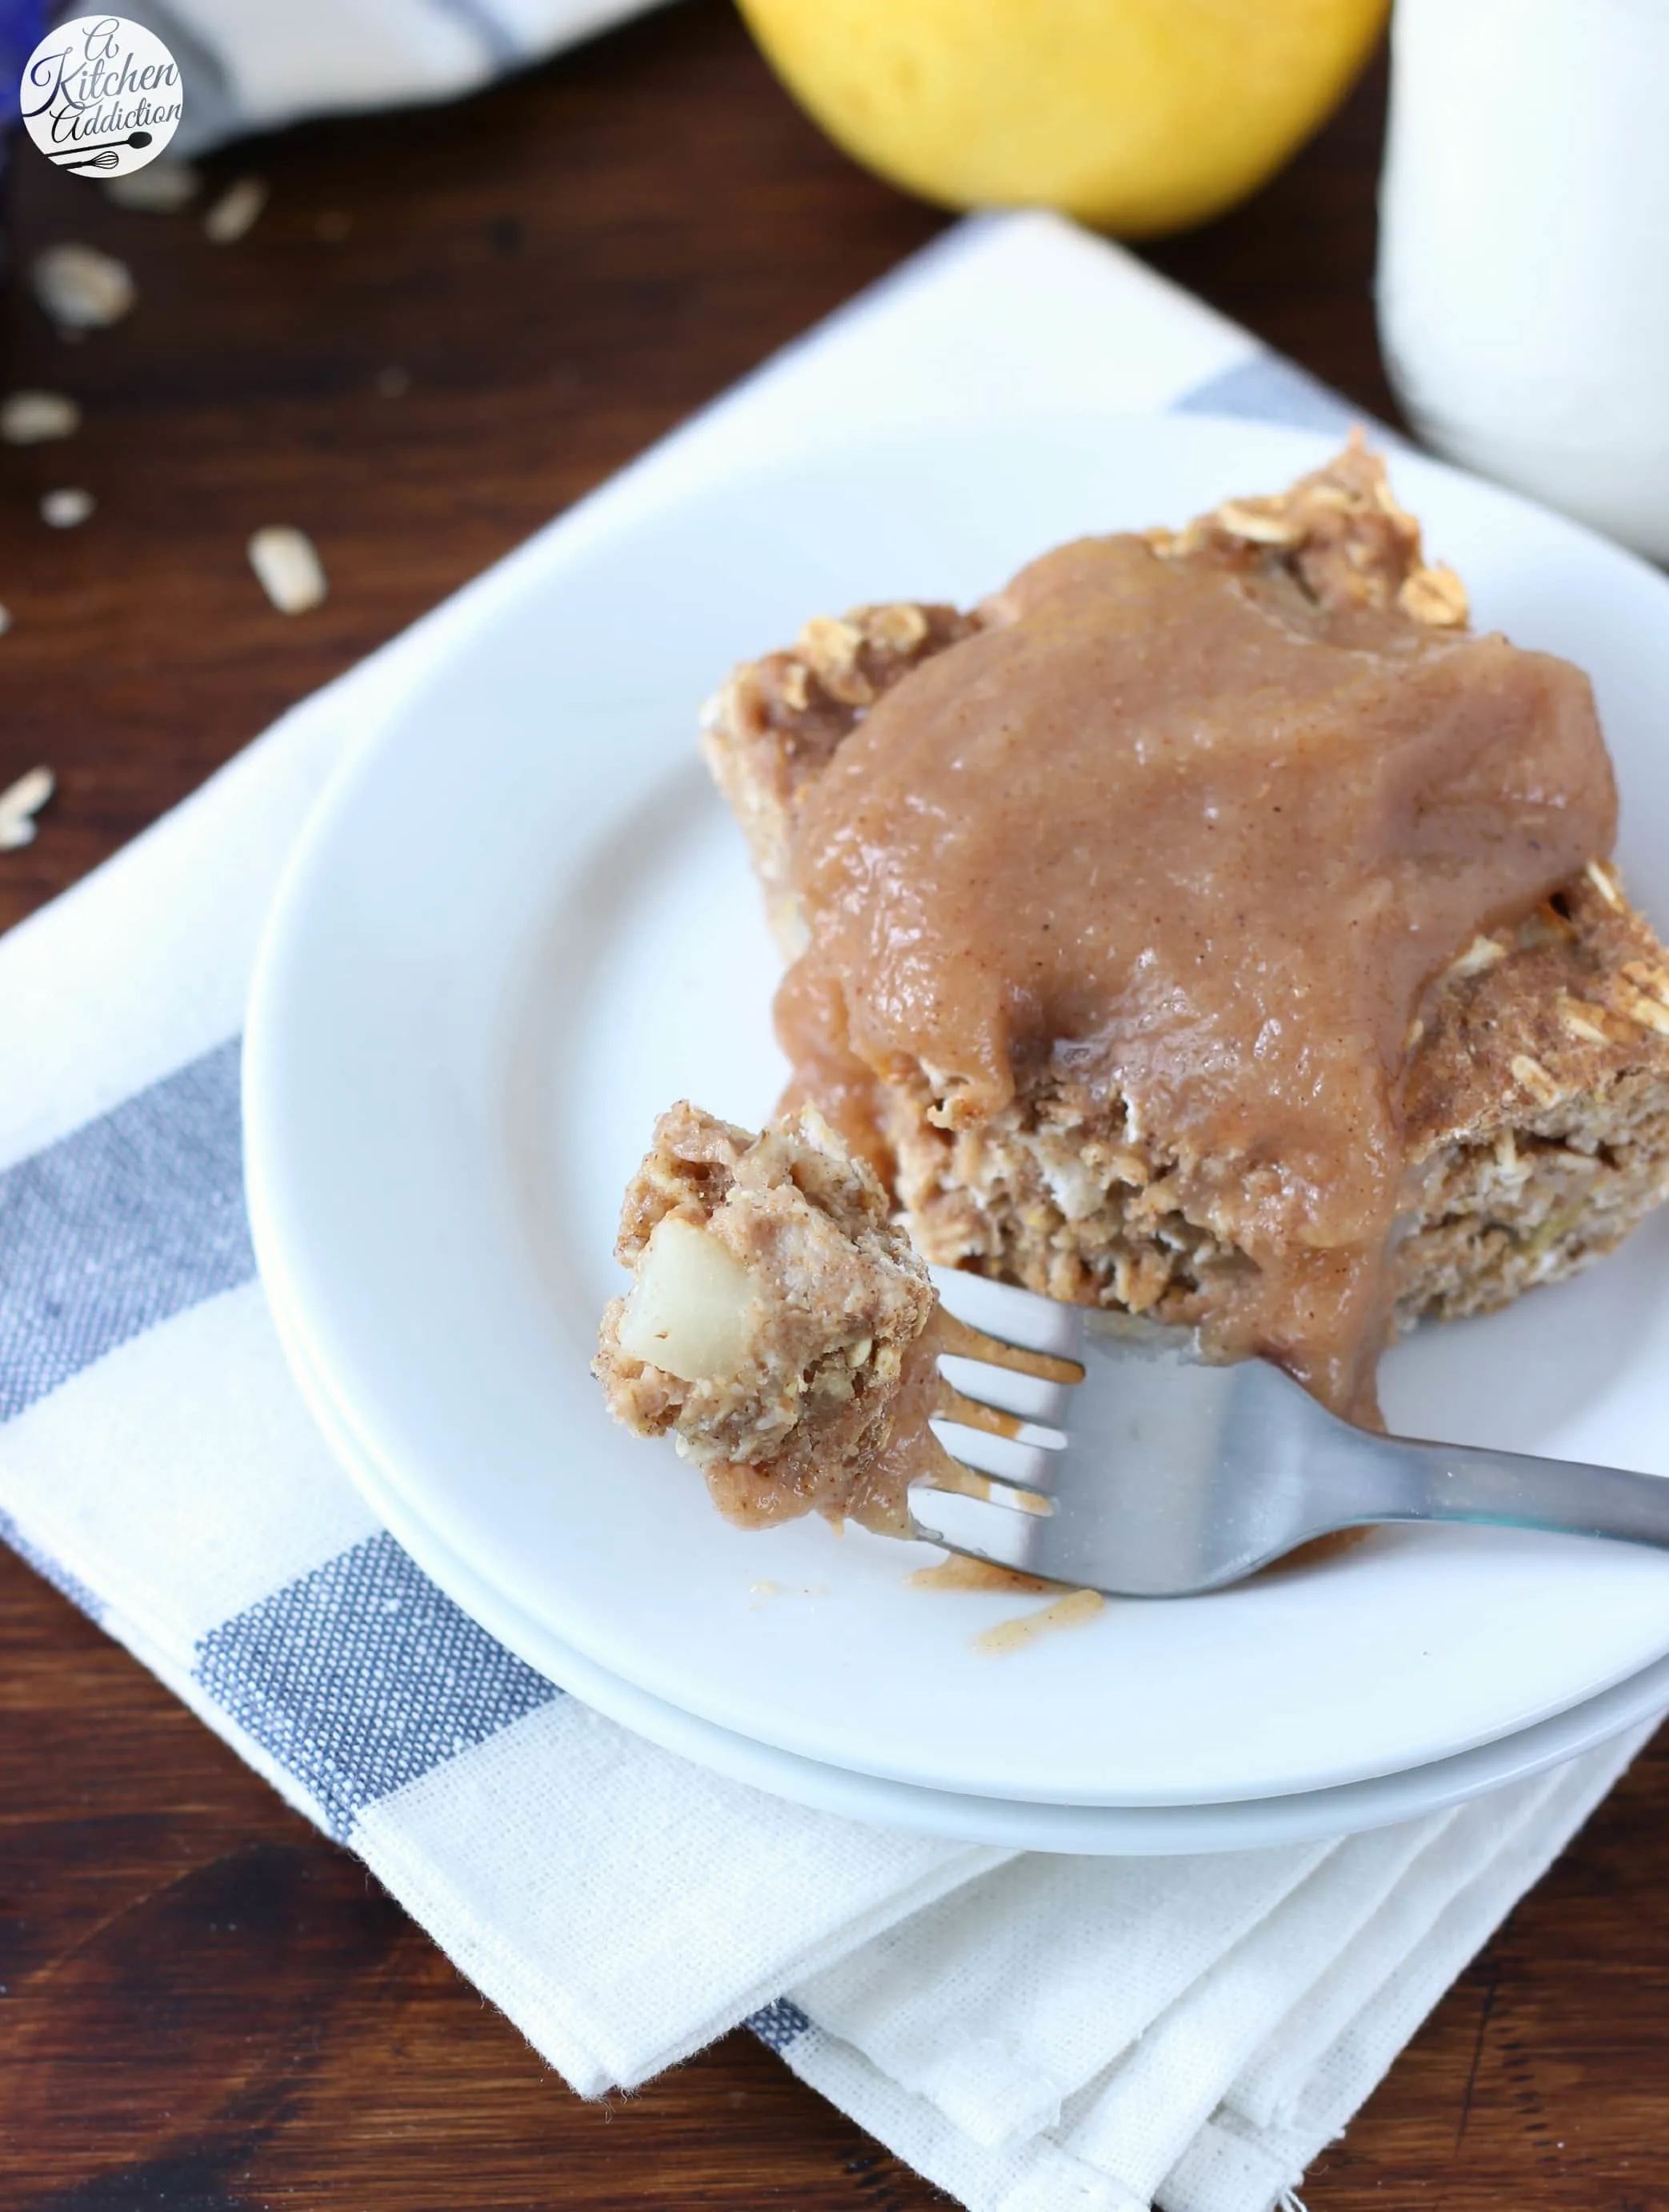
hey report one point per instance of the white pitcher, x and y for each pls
(1524, 248)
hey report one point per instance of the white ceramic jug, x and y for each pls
(1524, 248)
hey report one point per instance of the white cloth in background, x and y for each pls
(1034, 2033)
(256, 64)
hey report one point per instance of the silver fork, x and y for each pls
(1092, 1451)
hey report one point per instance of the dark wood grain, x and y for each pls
(202, 2006)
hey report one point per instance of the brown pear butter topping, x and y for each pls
(1187, 836)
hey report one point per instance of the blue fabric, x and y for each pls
(779, 2024)
(502, 48)
(363, 1676)
(1267, 389)
(120, 1226)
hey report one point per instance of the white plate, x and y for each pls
(1014, 1824)
(521, 924)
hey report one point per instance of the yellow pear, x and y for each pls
(1137, 116)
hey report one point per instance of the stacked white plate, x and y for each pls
(520, 925)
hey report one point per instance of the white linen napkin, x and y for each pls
(1032, 2033)
(251, 65)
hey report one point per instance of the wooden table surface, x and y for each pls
(445, 327)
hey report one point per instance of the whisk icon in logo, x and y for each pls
(100, 95)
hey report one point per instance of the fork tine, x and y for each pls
(1009, 1391)
(952, 1404)
(948, 1477)
(1018, 1462)
(962, 1341)
(984, 1530)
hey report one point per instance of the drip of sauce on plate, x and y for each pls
(957, 1570)
(1072, 1611)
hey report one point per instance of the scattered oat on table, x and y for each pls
(30, 418)
(393, 383)
(162, 187)
(287, 564)
(79, 287)
(20, 802)
(236, 212)
(67, 507)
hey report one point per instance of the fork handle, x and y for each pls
(1463, 1483)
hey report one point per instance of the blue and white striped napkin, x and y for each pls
(1032, 2033)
